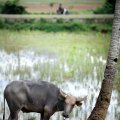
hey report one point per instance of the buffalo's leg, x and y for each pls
(14, 110)
(14, 106)
(42, 116)
(13, 115)
(47, 112)
(46, 116)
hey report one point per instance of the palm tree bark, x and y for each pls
(100, 110)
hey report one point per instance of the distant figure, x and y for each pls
(62, 10)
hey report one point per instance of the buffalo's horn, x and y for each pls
(80, 99)
(63, 93)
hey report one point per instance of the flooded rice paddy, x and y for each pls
(76, 66)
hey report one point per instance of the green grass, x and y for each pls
(58, 26)
(62, 1)
(70, 48)
(57, 1)
(60, 41)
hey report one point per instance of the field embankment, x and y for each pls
(53, 18)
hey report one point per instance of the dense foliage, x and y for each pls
(107, 8)
(59, 25)
(12, 7)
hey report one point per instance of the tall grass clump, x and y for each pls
(12, 7)
(107, 8)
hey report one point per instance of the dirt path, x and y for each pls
(36, 8)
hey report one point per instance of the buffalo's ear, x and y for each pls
(62, 95)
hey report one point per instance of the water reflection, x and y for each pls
(78, 78)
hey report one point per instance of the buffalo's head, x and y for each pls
(70, 101)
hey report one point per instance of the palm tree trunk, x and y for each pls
(100, 110)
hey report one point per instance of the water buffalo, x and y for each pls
(41, 97)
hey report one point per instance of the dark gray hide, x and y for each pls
(41, 97)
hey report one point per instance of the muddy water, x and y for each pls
(31, 65)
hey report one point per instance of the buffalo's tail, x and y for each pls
(4, 109)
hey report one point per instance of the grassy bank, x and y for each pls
(57, 26)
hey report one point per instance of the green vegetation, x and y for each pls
(61, 40)
(69, 49)
(12, 7)
(59, 25)
(32, 118)
(62, 1)
(108, 8)
(83, 12)
(57, 1)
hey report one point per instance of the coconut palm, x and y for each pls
(100, 110)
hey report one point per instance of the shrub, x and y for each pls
(107, 8)
(12, 7)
